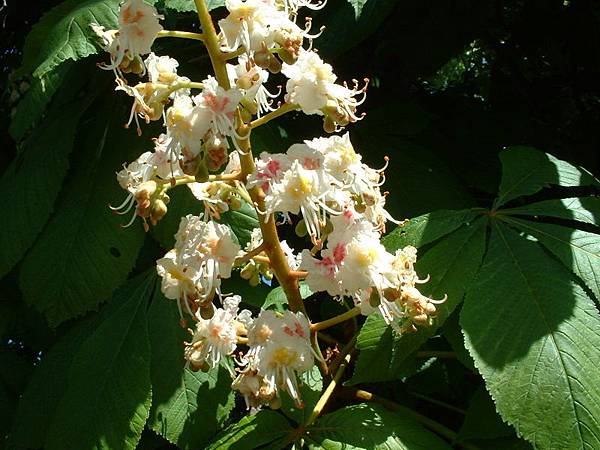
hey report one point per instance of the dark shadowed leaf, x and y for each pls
(107, 401)
(83, 254)
(253, 431)
(34, 178)
(188, 408)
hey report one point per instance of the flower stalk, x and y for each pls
(277, 258)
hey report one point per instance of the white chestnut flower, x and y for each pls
(216, 338)
(161, 69)
(280, 349)
(204, 254)
(139, 178)
(269, 170)
(302, 191)
(138, 27)
(250, 79)
(219, 106)
(187, 124)
(312, 87)
(354, 259)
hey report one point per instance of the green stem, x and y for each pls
(316, 412)
(439, 403)
(335, 320)
(211, 40)
(393, 406)
(181, 35)
(285, 108)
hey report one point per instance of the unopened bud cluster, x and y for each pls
(321, 186)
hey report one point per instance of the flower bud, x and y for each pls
(329, 125)
(274, 65)
(158, 211)
(248, 270)
(301, 229)
(287, 56)
(202, 173)
(206, 312)
(262, 58)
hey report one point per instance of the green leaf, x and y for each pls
(482, 421)
(345, 29)
(83, 254)
(576, 249)
(34, 178)
(253, 431)
(278, 301)
(251, 295)
(108, 397)
(64, 33)
(32, 106)
(189, 5)
(583, 209)
(427, 228)
(47, 386)
(371, 427)
(242, 222)
(535, 337)
(15, 369)
(452, 264)
(526, 170)
(188, 408)
(310, 384)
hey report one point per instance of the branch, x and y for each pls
(335, 320)
(181, 34)
(285, 108)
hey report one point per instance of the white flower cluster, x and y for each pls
(278, 348)
(323, 181)
(321, 178)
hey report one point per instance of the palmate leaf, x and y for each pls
(83, 254)
(526, 170)
(427, 228)
(64, 33)
(370, 427)
(47, 386)
(107, 400)
(188, 408)
(576, 249)
(33, 104)
(345, 28)
(535, 337)
(34, 178)
(582, 209)
(452, 263)
(259, 430)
